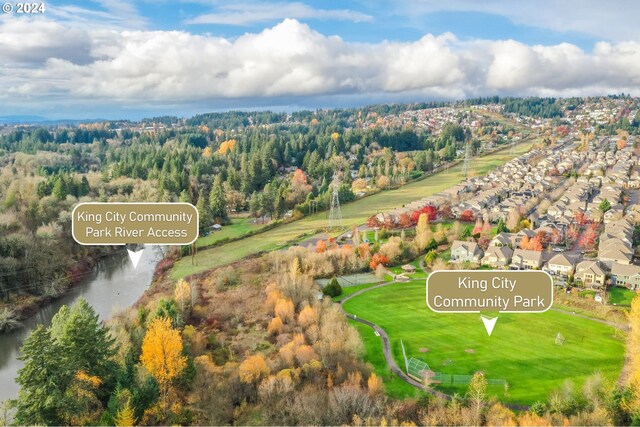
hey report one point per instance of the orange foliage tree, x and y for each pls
(378, 259)
(321, 246)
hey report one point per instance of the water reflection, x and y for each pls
(112, 286)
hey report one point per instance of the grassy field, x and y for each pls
(521, 350)
(353, 213)
(238, 228)
(621, 296)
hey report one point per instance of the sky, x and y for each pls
(139, 58)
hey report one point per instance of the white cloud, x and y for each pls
(243, 13)
(47, 63)
(604, 20)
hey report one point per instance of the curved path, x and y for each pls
(386, 345)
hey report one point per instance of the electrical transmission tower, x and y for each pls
(467, 160)
(335, 214)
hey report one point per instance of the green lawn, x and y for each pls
(419, 273)
(353, 213)
(238, 228)
(393, 385)
(621, 296)
(352, 290)
(521, 350)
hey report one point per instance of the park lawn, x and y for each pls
(521, 350)
(354, 213)
(621, 296)
(352, 290)
(419, 273)
(238, 228)
(393, 385)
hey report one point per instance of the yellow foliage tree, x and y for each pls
(182, 294)
(375, 385)
(284, 309)
(162, 351)
(125, 416)
(307, 317)
(633, 342)
(275, 326)
(253, 369)
(227, 146)
(162, 354)
(207, 152)
(335, 136)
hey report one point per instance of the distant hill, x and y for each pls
(27, 119)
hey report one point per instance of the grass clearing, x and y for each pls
(238, 228)
(354, 213)
(621, 296)
(521, 349)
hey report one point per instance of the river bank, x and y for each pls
(112, 286)
(21, 307)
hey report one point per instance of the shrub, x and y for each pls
(333, 289)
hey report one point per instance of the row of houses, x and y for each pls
(612, 262)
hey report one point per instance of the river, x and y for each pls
(112, 286)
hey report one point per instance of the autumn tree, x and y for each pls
(476, 395)
(589, 237)
(376, 260)
(467, 216)
(307, 317)
(162, 355)
(275, 326)
(633, 342)
(284, 309)
(321, 246)
(182, 295)
(513, 220)
(364, 251)
(125, 416)
(423, 232)
(253, 369)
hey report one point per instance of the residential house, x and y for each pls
(561, 265)
(626, 275)
(590, 273)
(526, 260)
(462, 251)
(497, 256)
(503, 239)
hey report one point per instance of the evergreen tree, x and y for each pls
(218, 202)
(84, 341)
(203, 210)
(42, 381)
(255, 205)
(501, 228)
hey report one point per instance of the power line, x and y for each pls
(335, 214)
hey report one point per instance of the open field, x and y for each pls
(238, 228)
(521, 350)
(353, 213)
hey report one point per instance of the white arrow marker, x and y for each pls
(135, 257)
(489, 323)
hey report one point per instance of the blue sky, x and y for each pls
(358, 21)
(133, 58)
